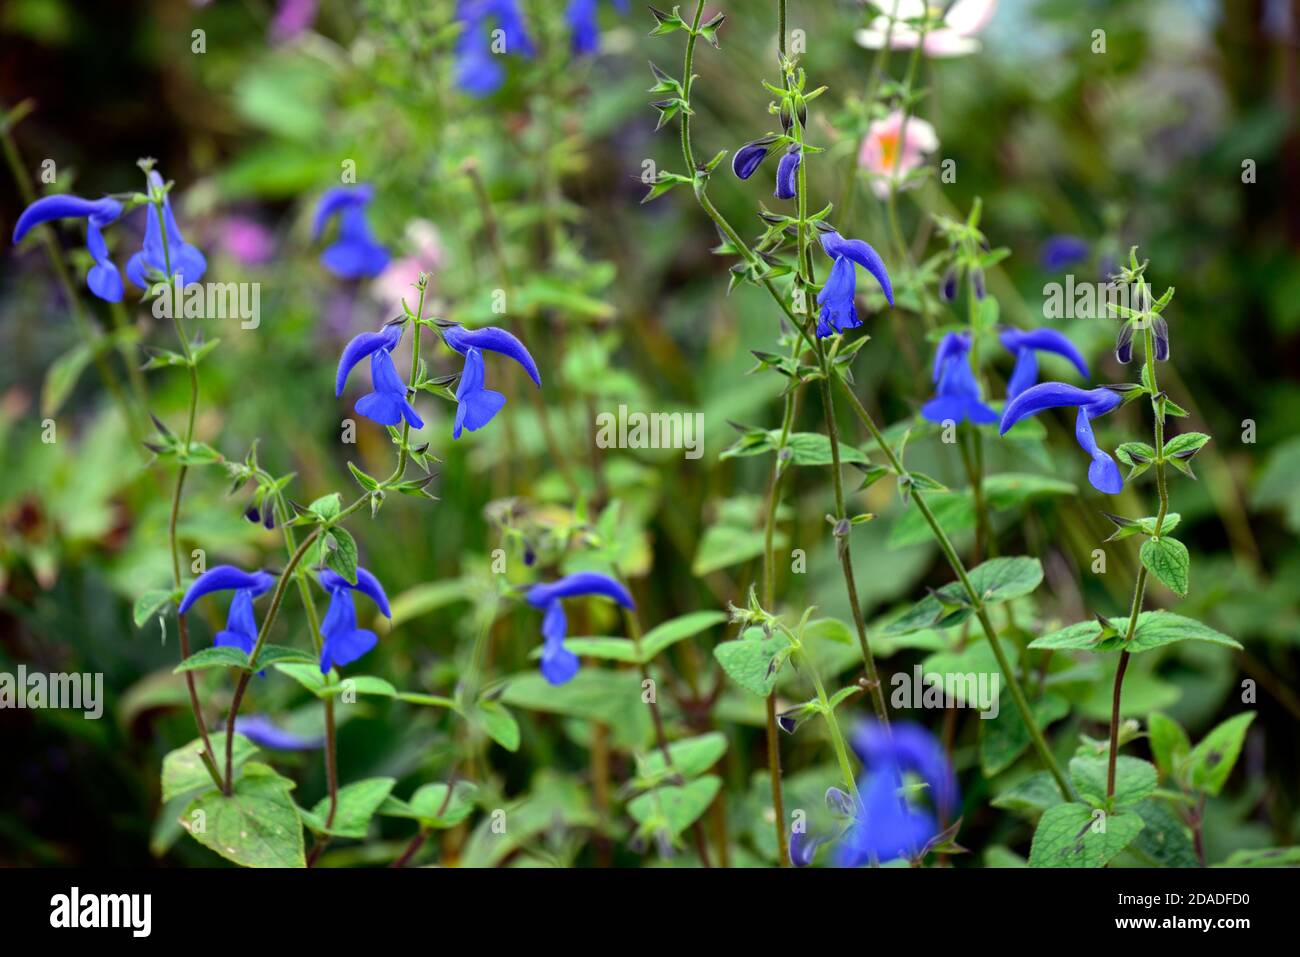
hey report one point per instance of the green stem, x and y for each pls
(1162, 490)
(973, 597)
(661, 736)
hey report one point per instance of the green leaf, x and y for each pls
(308, 676)
(674, 808)
(151, 603)
(997, 580)
(956, 512)
(277, 654)
(724, 545)
(612, 697)
(367, 482)
(753, 661)
(1164, 839)
(183, 770)
(1032, 796)
(1005, 738)
(1154, 630)
(1208, 765)
(1264, 857)
(431, 806)
(343, 557)
(256, 826)
(1167, 559)
(221, 656)
(814, 448)
(1169, 743)
(1075, 835)
(357, 804)
(1186, 445)
(691, 756)
(1135, 779)
(61, 378)
(609, 649)
(1002, 579)
(327, 507)
(499, 724)
(663, 636)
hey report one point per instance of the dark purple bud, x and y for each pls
(268, 518)
(787, 722)
(948, 285)
(750, 156)
(977, 280)
(252, 514)
(787, 174)
(1124, 344)
(530, 556)
(1161, 330)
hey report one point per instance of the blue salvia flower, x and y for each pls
(492, 339)
(103, 279)
(387, 404)
(354, 254)
(1103, 473)
(186, 262)
(344, 642)
(581, 18)
(838, 311)
(1061, 252)
(475, 405)
(887, 825)
(478, 70)
(957, 393)
(241, 627)
(558, 663)
(1025, 346)
(749, 157)
(263, 732)
(787, 173)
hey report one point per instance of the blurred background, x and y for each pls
(1181, 137)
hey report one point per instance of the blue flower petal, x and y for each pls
(1103, 473)
(835, 246)
(493, 340)
(226, 578)
(475, 405)
(362, 346)
(578, 585)
(838, 309)
(99, 211)
(1055, 395)
(259, 729)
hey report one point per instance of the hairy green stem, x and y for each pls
(1162, 490)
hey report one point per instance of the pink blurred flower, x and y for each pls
(891, 152)
(424, 253)
(292, 18)
(953, 36)
(245, 240)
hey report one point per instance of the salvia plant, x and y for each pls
(646, 699)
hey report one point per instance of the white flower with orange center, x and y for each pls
(893, 147)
